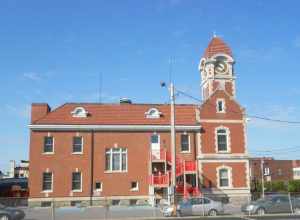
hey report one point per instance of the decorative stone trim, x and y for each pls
(227, 139)
(229, 169)
(39, 127)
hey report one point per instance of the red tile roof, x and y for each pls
(119, 114)
(217, 45)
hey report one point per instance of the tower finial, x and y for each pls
(214, 34)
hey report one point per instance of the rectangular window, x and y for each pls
(107, 160)
(224, 180)
(76, 181)
(220, 106)
(77, 144)
(185, 143)
(47, 181)
(296, 172)
(266, 171)
(116, 159)
(222, 140)
(98, 186)
(48, 144)
(134, 186)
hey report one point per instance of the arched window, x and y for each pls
(79, 112)
(153, 113)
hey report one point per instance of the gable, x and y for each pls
(233, 110)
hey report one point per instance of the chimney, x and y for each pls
(39, 110)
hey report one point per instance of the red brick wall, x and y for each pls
(239, 178)
(233, 109)
(237, 142)
(286, 167)
(62, 163)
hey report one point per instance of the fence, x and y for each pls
(207, 204)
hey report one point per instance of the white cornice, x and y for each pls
(221, 121)
(50, 127)
(224, 156)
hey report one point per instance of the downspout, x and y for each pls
(92, 169)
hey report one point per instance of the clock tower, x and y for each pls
(216, 69)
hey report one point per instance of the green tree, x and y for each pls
(294, 186)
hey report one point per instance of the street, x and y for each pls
(143, 212)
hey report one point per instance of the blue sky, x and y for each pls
(53, 51)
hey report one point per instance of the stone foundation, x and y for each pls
(64, 202)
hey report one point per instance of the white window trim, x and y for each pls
(52, 182)
(229, 169)
(53, 145)
(296, 171)
(266, 171)
(100, 189)
(136, 188)
(227, 139)
(111, 161)
(82, 144)
(77, 190)
(189, 140)
(156, 113)
(217, 106)
(82, 114)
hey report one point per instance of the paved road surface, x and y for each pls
(99, 213)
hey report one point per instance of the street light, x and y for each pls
(173, 140)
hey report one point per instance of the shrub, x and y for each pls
(294, 186)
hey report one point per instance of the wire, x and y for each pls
(235, 112)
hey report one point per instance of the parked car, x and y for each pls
(8, 213)
(195, 206)
(273, 204)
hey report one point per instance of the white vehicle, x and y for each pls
(195, 207)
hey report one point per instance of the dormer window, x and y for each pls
(79, 112)
(153, 113)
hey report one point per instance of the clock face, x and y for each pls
(221, 67)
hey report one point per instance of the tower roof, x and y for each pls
(217, 45)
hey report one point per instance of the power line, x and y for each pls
(235, 112)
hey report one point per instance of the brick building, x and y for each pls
(121, 152)
(274, 170)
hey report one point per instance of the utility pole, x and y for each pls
(262, 178)
(173, 142)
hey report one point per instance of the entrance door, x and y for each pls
(155, 146)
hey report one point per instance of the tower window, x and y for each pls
(223, 177)
(220, 106)
(222, 139)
